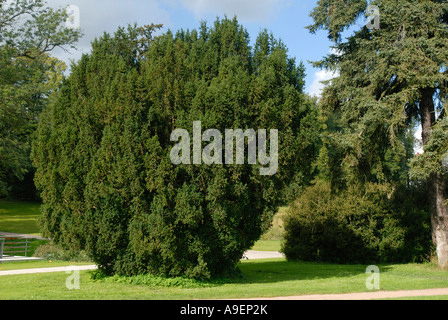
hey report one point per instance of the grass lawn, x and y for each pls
(19, 217)
(267, 245)
(262, 278)
(19, 265)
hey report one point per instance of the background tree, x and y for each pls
(103, 149)
(370, 225)
(29, 31)
(387, 78)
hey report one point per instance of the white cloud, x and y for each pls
(418, 147)
(99, 16)
(316, 87)
(245, 10)
(107, 15)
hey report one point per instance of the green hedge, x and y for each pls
(376, 225)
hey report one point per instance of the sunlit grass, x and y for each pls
(19, 217)
(267, 245)
(19, 265)
(260, 278)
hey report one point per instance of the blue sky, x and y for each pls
(286, 19)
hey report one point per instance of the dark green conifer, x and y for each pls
(103, 149)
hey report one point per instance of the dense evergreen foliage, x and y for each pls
(389, 77)
(103, 148)
(375, 225)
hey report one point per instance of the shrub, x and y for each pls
(103, 149)
(50, 251)
(355, 226)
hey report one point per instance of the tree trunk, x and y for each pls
(436, 184)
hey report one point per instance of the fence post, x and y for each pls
(2, 243)
(26, 247)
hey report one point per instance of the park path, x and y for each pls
(364, 295)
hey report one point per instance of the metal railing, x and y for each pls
(14, 246)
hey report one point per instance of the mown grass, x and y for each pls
(260, 278)
(267, 245)
(21, 265)
(19, 217)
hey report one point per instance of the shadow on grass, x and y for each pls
(278, 270)
(251, 272)
(401, 275)
(264, 271)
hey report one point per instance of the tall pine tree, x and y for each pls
(389, 76)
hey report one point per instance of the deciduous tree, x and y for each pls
(29, 31)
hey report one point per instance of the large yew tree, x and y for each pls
(388, 76)
(103, 149)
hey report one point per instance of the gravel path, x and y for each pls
(252, 255)
(366, 295)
